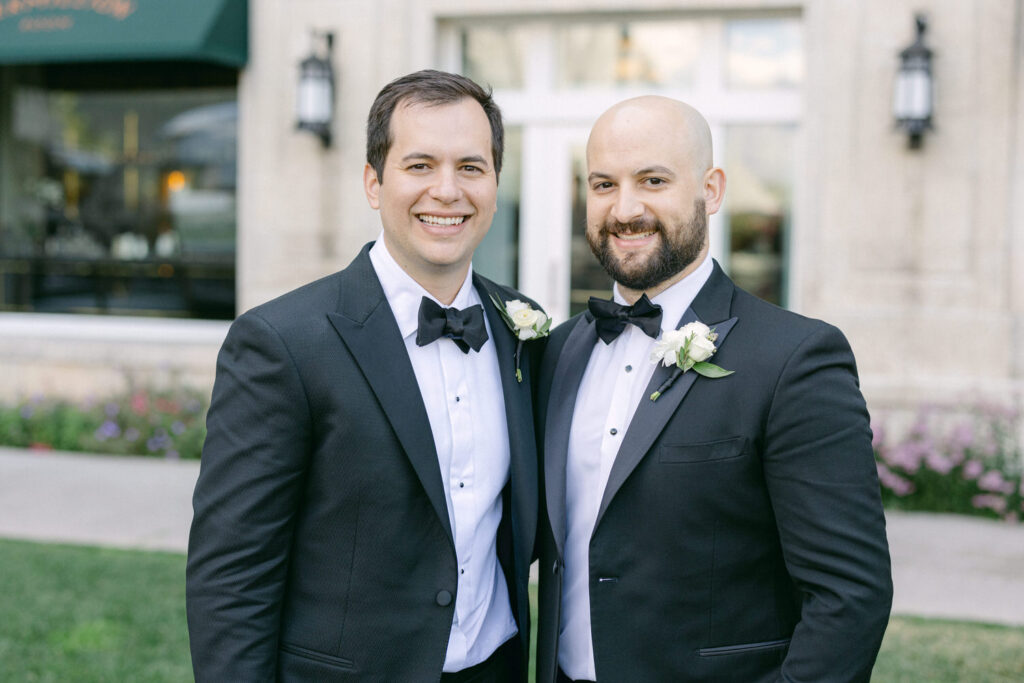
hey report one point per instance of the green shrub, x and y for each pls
(169, 424)
(970, 465)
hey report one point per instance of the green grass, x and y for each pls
(87, 614)
(91, 614)
(939, 651)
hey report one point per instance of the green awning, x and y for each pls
(46, 31)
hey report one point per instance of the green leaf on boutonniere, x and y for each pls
(711, 370)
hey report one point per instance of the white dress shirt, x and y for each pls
(613, 385)
(465, 404)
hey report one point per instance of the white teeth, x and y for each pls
(441, 220)
(635, 236)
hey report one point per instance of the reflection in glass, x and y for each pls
(759, 168)
(125, 202)
(497, 257)
(587, 278)
(764, 53)
(610, 54)
(493, 55)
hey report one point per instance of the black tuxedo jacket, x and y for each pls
(321, 547)
(740, 536)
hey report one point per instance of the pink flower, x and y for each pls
(892, 481)
(972, 470)
(939, 463)
(993, 481)
(140, 403)
(989, 502)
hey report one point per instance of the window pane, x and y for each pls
(627, 53)
(124, 203)
(764, 53)
(497, 257)
(493, 55)
(586, 276)
(759, 168)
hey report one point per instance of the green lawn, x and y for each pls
(89, 614)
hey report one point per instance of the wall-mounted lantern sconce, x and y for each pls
(314, 108)
(912, 98)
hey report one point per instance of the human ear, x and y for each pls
(371, 184)
(713, 189)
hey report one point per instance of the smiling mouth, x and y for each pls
(440, 220)
(630, 236)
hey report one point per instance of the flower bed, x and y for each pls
(969, 464)
(166, 424)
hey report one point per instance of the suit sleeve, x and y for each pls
(245, 502)
(820, 471)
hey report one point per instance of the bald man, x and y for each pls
(710, 506)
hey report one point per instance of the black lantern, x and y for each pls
(912, 98)
(314, 108)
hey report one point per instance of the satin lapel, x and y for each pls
(651, 417)
(369, 330)
(519, 414)
(571, 365)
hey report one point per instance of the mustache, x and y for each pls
(612, 226)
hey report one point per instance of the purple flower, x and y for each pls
(993, 481)
(107, 430)
(155, 443)
(989, 502)
(178, 427)
(972, 470)
(27, 411)
(111, 409)
(939, 463)
(892, 481)
(877, 435)
(131, 434)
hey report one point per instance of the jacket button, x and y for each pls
(444, 598)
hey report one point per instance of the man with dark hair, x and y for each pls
(711, 505)
(366, 505)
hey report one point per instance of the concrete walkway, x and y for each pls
(943, 565)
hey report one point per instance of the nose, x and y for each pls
(446, 188)
(627, 207)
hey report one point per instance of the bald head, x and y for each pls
(656, 119)
(650, 189)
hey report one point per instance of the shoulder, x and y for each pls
(779, 327)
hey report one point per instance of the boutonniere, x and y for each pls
(688, 348)
(525, 322)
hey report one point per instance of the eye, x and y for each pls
(417, 167)
(602, 185)
(655, 181)
(470, 168)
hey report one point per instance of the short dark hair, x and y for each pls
(428, 87)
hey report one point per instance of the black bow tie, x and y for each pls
(465, 328)
(611, 318)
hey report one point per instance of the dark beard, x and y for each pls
(674, 253)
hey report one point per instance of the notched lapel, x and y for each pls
(652, 416)
(571, 365)
(519, 415)
(368, 328)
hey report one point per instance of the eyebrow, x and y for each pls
(473, 158)
(647, 170)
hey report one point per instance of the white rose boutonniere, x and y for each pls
(688, 348)
(525, 321)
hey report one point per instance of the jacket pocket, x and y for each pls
(703, 452)
(321, 657)
(739, 649)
